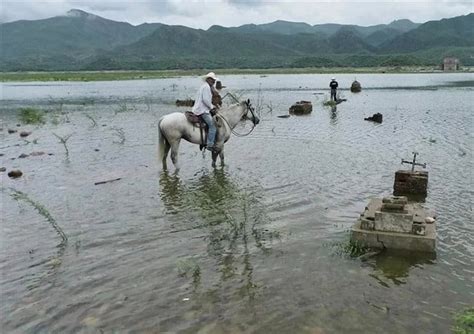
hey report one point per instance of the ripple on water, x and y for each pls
(248, 246)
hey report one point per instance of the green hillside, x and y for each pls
(80, 40)
(455, 32)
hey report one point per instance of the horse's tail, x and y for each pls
(162, 141)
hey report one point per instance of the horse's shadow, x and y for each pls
(233, 218)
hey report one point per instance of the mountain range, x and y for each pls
(84, 41)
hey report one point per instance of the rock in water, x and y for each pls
(356, 87)
(16, 173)
(377, 118)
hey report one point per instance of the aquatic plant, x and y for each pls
(63, 141)
(120, 133)
(329, 103)
(21, 196)
(464, 322)
(189, 267)
(349, 248)
(31, 116)
(123, 107)
(94, 123)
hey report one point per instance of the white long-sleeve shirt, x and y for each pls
(203, 101)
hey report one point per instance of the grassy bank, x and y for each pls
(141, 75)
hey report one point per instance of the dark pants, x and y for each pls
(333, 94)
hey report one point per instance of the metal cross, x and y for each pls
(413, 163)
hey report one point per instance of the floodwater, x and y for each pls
(251, 247)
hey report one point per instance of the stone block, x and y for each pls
(395, 200)
(367, 224)
(392, 207)
(373, 206)
(393, 222)
(410, 183)
(419, 229)
(393, 240)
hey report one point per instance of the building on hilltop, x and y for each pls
(450, 64)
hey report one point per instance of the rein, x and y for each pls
(235, 133)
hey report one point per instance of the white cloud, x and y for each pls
(202, 14)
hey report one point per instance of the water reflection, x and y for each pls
(233, 218)
(333, 116)
(394, 265)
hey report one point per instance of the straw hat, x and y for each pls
(211, 75)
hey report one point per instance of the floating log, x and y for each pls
(301, 108)
(356, 87)
(185, 103)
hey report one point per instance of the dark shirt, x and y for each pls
(333, 84)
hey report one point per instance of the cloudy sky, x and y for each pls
(202, 14)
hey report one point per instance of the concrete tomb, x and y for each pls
(301, 108)
(394, 223)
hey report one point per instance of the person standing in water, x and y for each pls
(333, 85)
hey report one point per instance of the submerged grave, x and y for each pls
(395, 222)
(301, 108)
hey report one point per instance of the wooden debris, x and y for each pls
(108, 181)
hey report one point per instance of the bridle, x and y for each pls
(249, 107)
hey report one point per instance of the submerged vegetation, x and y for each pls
(31, 116)
(21, 196)
(329, 103)
(349, 248)
(63, 141)
(189, 267)
(464, 322)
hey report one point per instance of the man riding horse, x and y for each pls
(204, 108)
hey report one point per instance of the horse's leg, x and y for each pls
(165, 154)
(214, 158)
(174, 153)
(221, 156)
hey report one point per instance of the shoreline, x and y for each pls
(115, 75)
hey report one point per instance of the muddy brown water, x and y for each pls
(254, 246)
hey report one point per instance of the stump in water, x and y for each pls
(185, 103)
(356, 87)
(377, 118)
(301, 108)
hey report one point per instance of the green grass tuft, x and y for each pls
(464, 322)
(31, 116)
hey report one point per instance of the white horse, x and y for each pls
(174, 127)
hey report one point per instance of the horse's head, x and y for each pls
(249, 109)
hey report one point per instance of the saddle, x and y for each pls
(197, 121)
